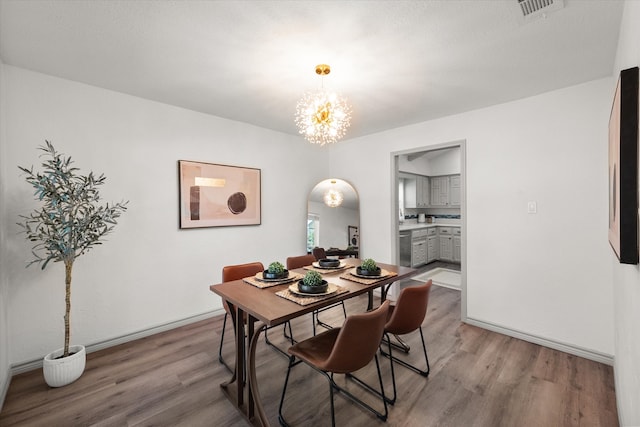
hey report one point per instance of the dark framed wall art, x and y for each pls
(623, 168)
(354, 237)
(213, 195)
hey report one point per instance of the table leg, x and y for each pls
(254, 392)
(234, 322)
(383, 295)
(240, 350)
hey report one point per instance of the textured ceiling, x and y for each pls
(398, 62)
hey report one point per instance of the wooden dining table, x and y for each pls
(264, 308)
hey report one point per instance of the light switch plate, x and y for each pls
(532, 207)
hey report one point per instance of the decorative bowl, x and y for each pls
(328, 262)
(274, 276)
(362, 272)
(313, 289)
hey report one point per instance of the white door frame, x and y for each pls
(463, 212)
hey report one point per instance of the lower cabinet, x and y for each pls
(432, 249)
(446, 243)
(419, 247)
(435, 243)
(418, 252)
(457, 245)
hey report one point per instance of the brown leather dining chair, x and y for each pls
(404, 317)
(300, 261)
(237, 272)
(229, 274)
(341, 351)
(319, 253)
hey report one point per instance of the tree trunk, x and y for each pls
(68, 266)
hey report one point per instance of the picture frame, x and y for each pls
(354, 236)
(623, 168)
(216, 195)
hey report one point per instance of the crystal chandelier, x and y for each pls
(323, 117)
(332, 197)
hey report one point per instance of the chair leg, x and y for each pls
(275, 347)
(317, 320)
(380, 394)
(393, 359)
(393, 373)
(333, 412)
(283, 422)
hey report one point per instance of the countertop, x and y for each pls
(415, 225)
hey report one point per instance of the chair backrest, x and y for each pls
(357, 341)
(410, 309)
(319, 253)
(240, 271)
(299, 261)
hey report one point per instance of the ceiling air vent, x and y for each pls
(532, 9)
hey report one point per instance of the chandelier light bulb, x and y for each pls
(322, 116)
(333, 198)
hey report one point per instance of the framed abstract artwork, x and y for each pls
(213, 195)
(623, 168)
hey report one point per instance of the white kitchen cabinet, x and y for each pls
(418, 252)
(416, 190)
(457, 245)
(422, 192)
(445, 191)
(454, 190)
(432, 248)
(439, 190)
(445, 236)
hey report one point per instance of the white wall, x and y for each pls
(4, 339)
(148, 272)
(626, 278)
(547, 275)
(446, 164)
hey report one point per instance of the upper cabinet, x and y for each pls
(422, 191)
(436, 191)
(454, 190)
(415, 190)
(445, 191)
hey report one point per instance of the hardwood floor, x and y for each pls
(478, 378)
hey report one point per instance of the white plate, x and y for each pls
(316, 264)
(331, 288)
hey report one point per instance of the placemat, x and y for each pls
(306, 300)
(383, 273)
(327, 270)
(253, 280)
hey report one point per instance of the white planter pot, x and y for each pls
(63, 371)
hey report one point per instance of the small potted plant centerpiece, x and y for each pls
(70, 221)
(368, 268)
(312, 283)
(275, 271)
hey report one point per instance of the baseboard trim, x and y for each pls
(36, 364)
(5, 389)
(596, 356)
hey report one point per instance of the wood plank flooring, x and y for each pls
(478, 378)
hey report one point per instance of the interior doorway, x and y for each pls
(429, 214)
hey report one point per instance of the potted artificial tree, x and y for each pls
(70, 221)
